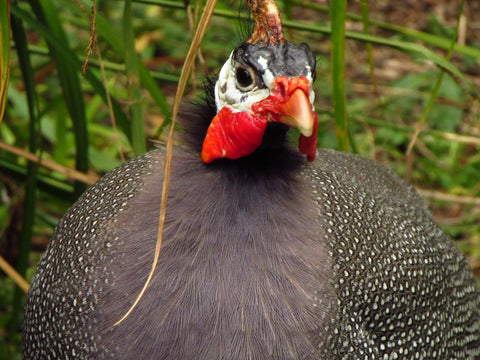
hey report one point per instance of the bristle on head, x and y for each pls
(268, 25)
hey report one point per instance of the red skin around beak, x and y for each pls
(233, 135)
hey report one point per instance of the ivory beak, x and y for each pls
(297, 112)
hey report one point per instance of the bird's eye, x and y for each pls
(244, 78)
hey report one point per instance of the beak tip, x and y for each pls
(306, 131)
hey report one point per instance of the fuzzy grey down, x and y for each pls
(335, 259)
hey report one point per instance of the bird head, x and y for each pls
(265, 80)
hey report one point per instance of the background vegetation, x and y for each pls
(410, 100)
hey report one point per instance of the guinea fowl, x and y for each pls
(266, 255)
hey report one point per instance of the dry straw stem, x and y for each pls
(187, 67)
(437, 195)
(93, 35)
(14, 275)
(109, 100)
(4, 54)
(71, 174)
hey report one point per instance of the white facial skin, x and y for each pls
(228, 92)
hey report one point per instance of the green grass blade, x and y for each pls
(420, 51)
(404, 46)
(436, 87)
(157, 95)
(338, 10)
(131, 62)
(20, 38)
(433, 96)
(427, 38)
(69, 80)
(120, 117)
(4, 53)
(430, 39)
(106, 31)
(108, 34)
(414, 34)
(48, 184)
(45, 32)
(368, 45)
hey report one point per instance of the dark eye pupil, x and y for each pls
(243, 77)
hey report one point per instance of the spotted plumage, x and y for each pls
(359, 271)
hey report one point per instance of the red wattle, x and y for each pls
(233, 135)
(308, 145)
